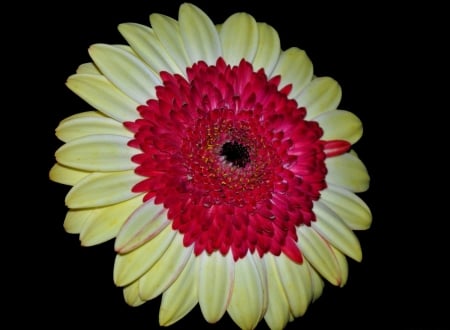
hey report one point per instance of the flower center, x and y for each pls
(231, 158)
(235, 153)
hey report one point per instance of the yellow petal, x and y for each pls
(90, 113)
(296, 283)
(340, 125)
(78, 127)
(101, 94)
(105, 222)
(239, 36)
(101, 189)
(317, 283)
(130, 266)
(348, 206)
(145, 43)
(335, 231)
(199, 34)
(75, 219)
(215, 284)
(168, 32)
(295, 68)
(320, 96)
(277, 314)
(100, 153)
(131, 294)
(166, 270)
(268, 50)
(181, 297)
(66, 175)
(319, 254)
(342, 264)
(88, 68)
(347, 171)
(247, 304)
(145, 223)
(125, 71)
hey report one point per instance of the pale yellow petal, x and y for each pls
(247, 304)
(101, 94)
(319, 254)
(101, 189)
(199, 34)
(66, 175)
(181, 296)
(350, 207)
(335, 231)
(317, 282)
(340, 125)
(131, 266)
(105, 222)
(145, 223)
(125, 71)
(78, 127)
(295, 68)
(167, 30)
(90, 113)
(296, 283)
(131, 294)
(268, 50)
(347, 171)
(102, 153)
(75, 219)
(320, 96)
(278, 311)
(342, 264)
(215, 284)
(239, 36)
(88, 68)
(147, 45)
(166, 270)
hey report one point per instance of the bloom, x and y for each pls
(219, 164)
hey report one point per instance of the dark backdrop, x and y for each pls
(374, 51)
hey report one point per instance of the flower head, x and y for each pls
(221, 166)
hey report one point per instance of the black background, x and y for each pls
(379, 55)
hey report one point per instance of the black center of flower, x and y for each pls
(235, 153)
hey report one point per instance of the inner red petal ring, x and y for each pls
(231, 157)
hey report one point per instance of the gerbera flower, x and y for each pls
(221, 166)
